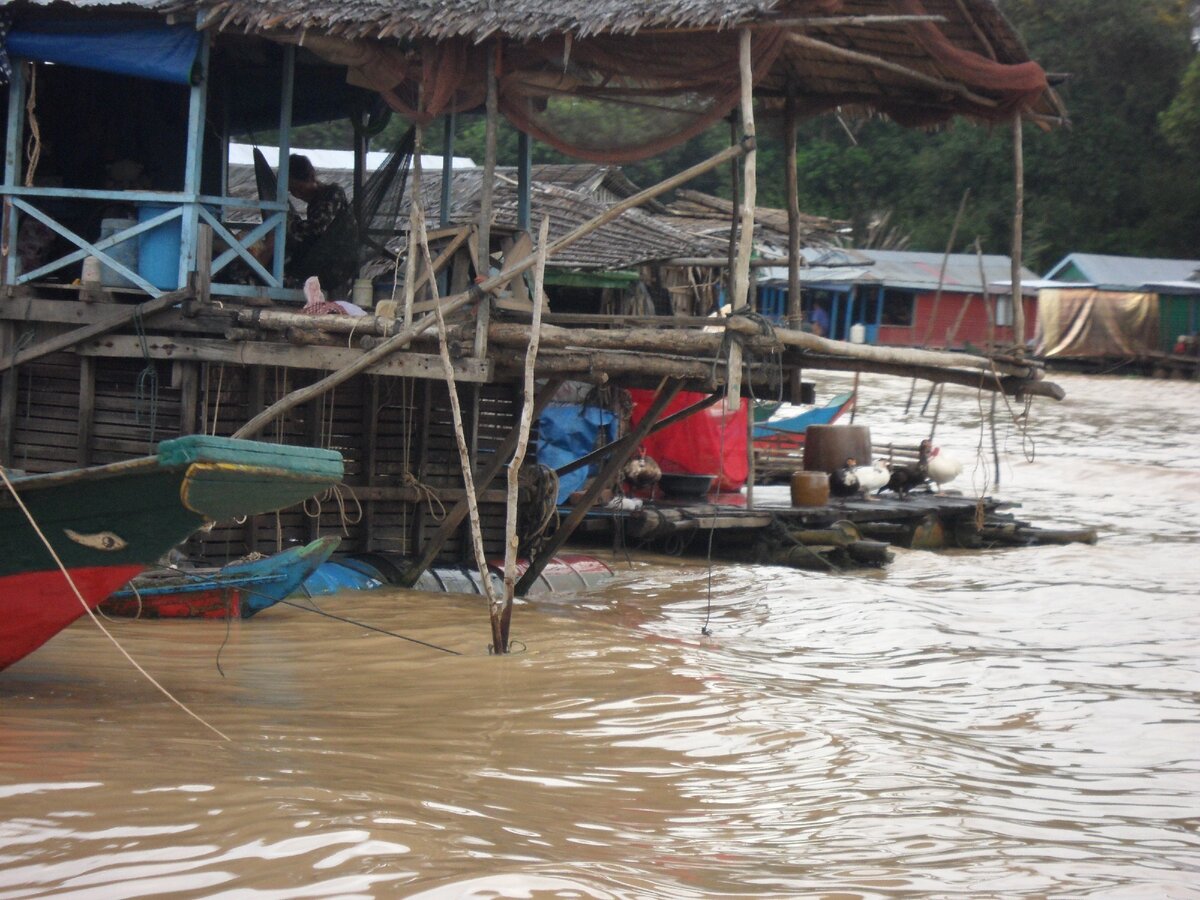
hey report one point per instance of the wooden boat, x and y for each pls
(109, 523)
(778, 445)
(791, 430)
(236, 591)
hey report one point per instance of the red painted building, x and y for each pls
(893, 295)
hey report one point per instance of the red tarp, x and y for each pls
(710, 442)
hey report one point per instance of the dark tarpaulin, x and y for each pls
(141, 49)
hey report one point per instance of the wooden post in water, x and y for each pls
(795, 313)
(486, 190)
(514, 467)
(1018, 305)
(741, 271)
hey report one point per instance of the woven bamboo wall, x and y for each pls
(133, 406)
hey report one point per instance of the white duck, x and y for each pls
(942, 468)
(872, 478)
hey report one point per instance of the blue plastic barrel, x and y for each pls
(158, 249)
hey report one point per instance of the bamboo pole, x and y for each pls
(741, 273)
(937, 297)
(795, 311)
(952, 334)
(879, 62)
(458, 512)
(483, 266)
(495, 603)
(414, 211)
(514, 467)
(402, 339)
(1018, 304)
(701, 344)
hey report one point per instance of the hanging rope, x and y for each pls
(75, 589)
(147, 381)
(33, 147)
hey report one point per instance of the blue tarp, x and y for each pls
(567, 431)
(144, 50)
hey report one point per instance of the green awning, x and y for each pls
(618, 279)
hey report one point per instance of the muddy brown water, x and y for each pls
(1015, 723)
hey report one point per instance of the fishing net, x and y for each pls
(358, 231)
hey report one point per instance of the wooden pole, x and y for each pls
(667, 390)
(1018, 305)
(402, 339)
(514, 468)
(414, 212)
(487, 190)
(795, 317)
(937, 297)
(466, 459)
(459, 511)
(741, 274)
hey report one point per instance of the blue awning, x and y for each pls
(141, 49)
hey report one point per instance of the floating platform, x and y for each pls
(844, 533)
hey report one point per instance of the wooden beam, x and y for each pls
(123, 316)
(254, 353)
(959, 90)
(608, 474)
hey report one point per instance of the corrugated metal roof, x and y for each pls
(1126, 272)
(903, 269)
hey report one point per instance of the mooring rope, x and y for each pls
(67, 575)
(337, 618)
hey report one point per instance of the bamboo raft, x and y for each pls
(844, 533)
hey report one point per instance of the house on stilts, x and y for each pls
(144, 298)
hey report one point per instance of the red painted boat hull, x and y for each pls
(217, 603)
(38, 605)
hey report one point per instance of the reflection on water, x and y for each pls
(1016, 723)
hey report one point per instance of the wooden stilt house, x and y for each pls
(139, 303)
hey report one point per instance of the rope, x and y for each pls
(329, 615)
(148, 376)
(33, 147)
(75, 589)
(217, 402)
(1021, 422)
(312, 507)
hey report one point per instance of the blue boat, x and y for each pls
(239, 590)
(790, 429)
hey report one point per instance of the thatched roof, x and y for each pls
(839, 52)
(704, 214)
(634, 238)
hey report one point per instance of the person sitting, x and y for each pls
(324, 242)
(819, 321)
(321, 243)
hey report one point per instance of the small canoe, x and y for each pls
(236, 591)
(795, 425)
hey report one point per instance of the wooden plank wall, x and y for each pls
(80, 410)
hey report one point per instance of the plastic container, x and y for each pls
(826, 447)
(858, 333)
(126, 253)
(810, 488)
(90, 270)
(363, 293)
(158, 249)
